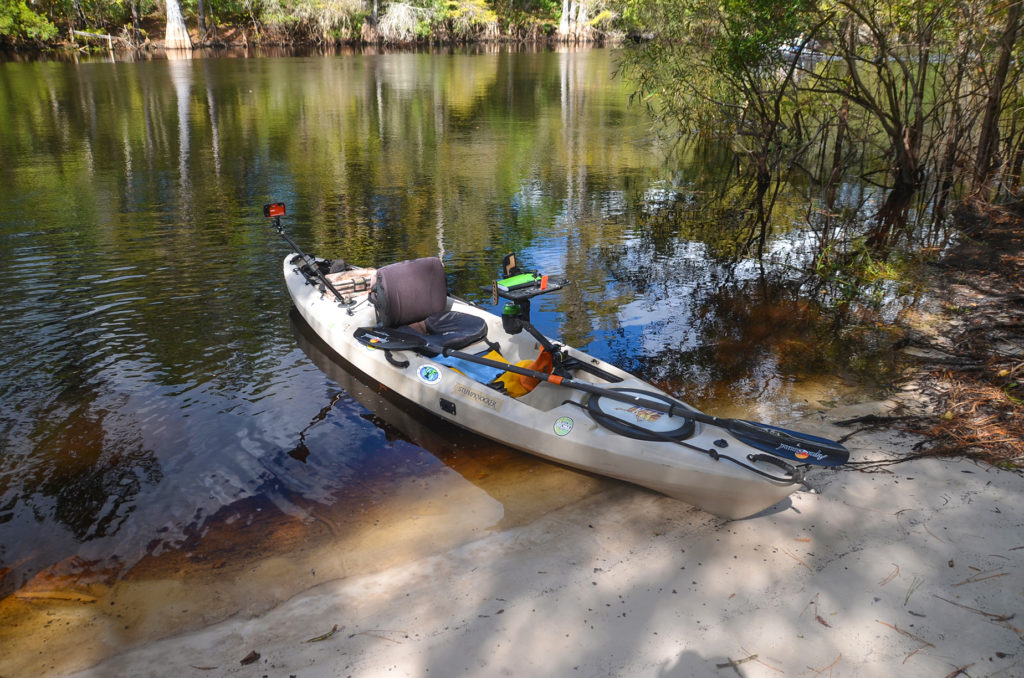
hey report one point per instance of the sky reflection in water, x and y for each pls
(150, 378)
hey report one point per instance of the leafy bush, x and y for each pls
(467, 19)
(317, 20)
(402, 22)
(18, 23)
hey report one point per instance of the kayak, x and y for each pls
(500, 378)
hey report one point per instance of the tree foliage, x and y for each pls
(318, 21)
(18, 23)
(715, 69)
(919, 98)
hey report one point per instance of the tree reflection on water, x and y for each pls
(151, 385)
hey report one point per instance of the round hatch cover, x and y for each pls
(635, 421)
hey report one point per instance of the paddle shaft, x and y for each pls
(793, 445)
(668, 408)
(798, 447)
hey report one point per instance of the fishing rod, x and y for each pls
(274, 211)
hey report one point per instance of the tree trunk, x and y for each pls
(582, 32)
(837, 155)
(177, 34)
(563, 23)
(989, 135)
(136, 33)
(368, 31)
(78, 18)
(957, 130)
(891, 91)
(1016, 166)
(572, 27)
(762, 216)
(892, 216)
(202, 20)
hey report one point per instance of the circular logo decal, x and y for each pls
(563, 425)
(801, 454)
(428, 374)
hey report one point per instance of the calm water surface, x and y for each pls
(163, 415)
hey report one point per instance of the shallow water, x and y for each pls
(164, 420)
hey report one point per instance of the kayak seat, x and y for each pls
(452, 329)
(414, 295)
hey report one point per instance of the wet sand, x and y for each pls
(916, 571)
(254, 558)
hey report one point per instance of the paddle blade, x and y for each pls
(393, 339)
(787, 444)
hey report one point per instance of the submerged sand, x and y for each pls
(913, 571)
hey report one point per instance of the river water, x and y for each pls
(166, 422)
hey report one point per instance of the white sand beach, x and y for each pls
(912, 571)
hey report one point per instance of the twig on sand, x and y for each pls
(908, 634)
(827, 668)
(817, 615)
(913, 587)
(324, 636)
(907, 658)
(923, 525)
(763, 663)
(958, 671)
(895, 573)
(375, 633)
(1001, 619)
(904, 632)
(975, 578)
(797, 559)
(932, 533)
(735, 664)
(991, 615)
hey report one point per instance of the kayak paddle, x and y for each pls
(798, 447)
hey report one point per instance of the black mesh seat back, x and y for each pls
(409, 291)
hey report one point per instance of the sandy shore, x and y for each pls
(913, 572)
